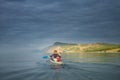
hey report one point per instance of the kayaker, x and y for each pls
(55, 56)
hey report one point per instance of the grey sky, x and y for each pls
(39, 23)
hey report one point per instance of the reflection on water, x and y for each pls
(92, 57)
(92, 66)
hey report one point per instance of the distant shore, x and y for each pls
(84, 48)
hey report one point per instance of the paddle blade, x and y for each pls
(45, 57)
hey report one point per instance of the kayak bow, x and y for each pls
(55, 62)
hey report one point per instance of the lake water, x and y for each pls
(31, 66)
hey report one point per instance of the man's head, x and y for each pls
(55, 52)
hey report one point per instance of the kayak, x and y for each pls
(55, 62)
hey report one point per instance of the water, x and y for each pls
(31, 66)
(93, 57)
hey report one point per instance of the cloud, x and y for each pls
(42, 22)
(15, 0)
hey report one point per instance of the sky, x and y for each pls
(36, 24)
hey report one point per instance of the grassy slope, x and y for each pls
(77, 48)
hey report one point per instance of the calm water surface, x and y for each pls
(31, 66)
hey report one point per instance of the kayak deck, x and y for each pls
(56, 63)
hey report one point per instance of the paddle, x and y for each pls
(45, 57)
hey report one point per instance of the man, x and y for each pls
(55, 56)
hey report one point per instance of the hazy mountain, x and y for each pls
(82, 48)
(60, 43)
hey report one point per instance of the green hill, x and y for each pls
(85, 48)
